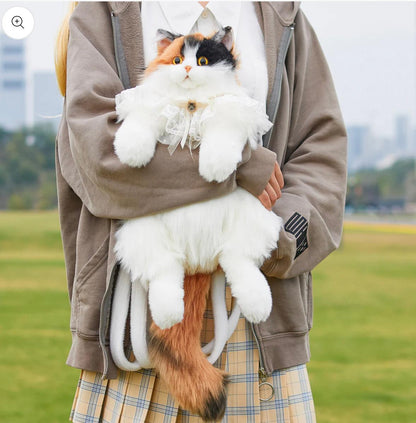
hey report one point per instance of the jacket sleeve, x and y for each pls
(314, 168)
(107, 187)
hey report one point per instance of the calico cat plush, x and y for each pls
(190, 98)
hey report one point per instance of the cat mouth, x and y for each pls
(187, 82)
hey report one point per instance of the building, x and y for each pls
(12, 83)
(47, 101)
(359, 142)
(402, 135)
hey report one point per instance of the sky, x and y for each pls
(370, 48)
(371, 51)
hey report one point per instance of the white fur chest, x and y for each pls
(199, 233)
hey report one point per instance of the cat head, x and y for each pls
(194, 60)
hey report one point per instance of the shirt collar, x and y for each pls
(181, 16)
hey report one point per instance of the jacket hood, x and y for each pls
(286, 10)
(118, 6)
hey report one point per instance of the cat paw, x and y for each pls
(167, 308)
(217, 166)
(134, 146)
(165, 319)
(256, 312)
(255, 302)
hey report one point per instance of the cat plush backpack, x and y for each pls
(190, 98)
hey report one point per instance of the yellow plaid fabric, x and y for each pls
(141, 397)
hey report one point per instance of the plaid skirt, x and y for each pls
(142, 397)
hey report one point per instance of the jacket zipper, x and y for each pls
(106, 304)
(105, 313)
(273, 104)
(119, 52)
(262, 370)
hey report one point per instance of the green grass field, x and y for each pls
(363, 366)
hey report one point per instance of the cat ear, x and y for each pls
(164, 39)
(225, 36)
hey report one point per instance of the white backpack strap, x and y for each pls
(223, 326)
(138, 318)
(119, 312)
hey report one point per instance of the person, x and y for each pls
(102, 49)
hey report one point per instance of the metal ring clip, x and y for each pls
(272, 391)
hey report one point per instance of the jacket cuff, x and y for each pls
(254, 174)
(282, 257)
(293, 239)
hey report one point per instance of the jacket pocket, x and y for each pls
(292, 311)
(89, 290)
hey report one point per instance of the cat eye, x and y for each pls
(177, 60)
(202, 61)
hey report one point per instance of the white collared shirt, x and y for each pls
(185, 17)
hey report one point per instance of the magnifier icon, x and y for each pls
(17, 21)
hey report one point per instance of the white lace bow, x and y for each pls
(182, 126)
(184, 122)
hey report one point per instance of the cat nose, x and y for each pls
(188, 68)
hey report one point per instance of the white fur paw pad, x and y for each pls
(255, 313)
(167, 318)
(134, 146)
(217, 167)
(256, 305)
(167, 310)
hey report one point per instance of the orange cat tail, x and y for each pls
(177, 356)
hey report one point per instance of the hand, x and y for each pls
(273, 190)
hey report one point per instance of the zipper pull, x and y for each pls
(262, 374)
(266, 389)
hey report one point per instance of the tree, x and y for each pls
(27, 168)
